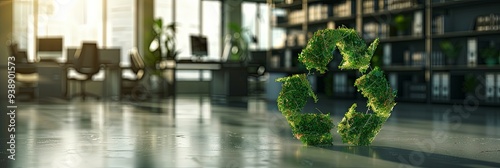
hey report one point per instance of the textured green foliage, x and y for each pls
(294, 93)
(375, 87)
(357, 128)
(312, 129)
(319, 50)
(355, 54)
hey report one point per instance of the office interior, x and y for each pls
(193, 83)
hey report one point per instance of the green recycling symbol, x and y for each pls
(356, 128)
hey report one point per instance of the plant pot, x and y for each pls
(490, 61)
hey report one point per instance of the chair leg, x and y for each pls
(82, 89)
(83, 93)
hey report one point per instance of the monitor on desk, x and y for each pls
(49, 49)
(199, 46)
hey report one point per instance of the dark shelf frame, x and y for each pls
(394, 39)
(298, 4)
(289, 25)
(465, 68)
(394, 11)
(461, 3)
(294, 5)
(461, 34)
(334, 19)
(403, 68)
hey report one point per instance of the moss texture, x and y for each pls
(355, 128)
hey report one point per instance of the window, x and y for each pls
(256, 21)
(76, 21)
(121, 27)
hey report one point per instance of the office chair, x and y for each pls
(256, 73)
(26, 72)
(86, 62)
(257, 69)
(131, 85)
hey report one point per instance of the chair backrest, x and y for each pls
(21, 56)
(87, 59)
(137, 63)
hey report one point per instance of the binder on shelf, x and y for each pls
(275, 61)
(472, 52)
(288, 58)
(445, 86)
(498, 87)
(407, 57)
(343, 9)
(436, 84)
(440, 24)
(393, 80)
(382, 5)
(340, 81)
(490, 87)
(368, 6)
(437, 58)
(417, 58)
(418, 21)
(387, 54)
(370, 30)
(416, 90)
(384, 30)
(330, 25)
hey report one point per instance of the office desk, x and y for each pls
(51, 80)
(228, 79)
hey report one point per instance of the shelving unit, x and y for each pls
(412, 58)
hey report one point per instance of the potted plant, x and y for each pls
(236, 44)
(489, 54)
(401, 23)
(469, 85)
(451, 51)
(162, 47)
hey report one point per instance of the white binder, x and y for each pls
(387, 54)
(393, 80)
(340, 83)
(436, 83)
(472, 52)
(288, 58)
(418, 23)
(445, 86)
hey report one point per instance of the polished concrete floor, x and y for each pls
(196, 131)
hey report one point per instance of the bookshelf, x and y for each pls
(411, 34)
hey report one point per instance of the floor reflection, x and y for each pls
(193, 131)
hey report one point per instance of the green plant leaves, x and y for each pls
(357, 128)
(319, 50)
(375, 87)
(294, 93)
(312, 129)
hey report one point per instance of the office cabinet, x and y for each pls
(413, 54)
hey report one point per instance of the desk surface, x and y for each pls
(205, 65)
(198, 65)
